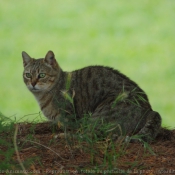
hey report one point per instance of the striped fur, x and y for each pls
(101, 91)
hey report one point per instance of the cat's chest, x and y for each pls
(47, 107)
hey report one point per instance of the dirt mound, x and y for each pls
(41, 149)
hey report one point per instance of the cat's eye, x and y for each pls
(41, 75)
(28, 75)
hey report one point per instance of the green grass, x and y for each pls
(135, 37)
(103, 152)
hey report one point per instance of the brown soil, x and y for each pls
(42, 150)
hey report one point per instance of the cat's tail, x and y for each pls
(165, 134)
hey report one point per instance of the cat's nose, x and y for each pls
(33, 83)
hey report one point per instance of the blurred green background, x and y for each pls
(136, 37)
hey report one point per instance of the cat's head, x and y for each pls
(40, 74)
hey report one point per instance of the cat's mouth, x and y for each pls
(34, 89)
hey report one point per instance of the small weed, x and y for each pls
(6, 145)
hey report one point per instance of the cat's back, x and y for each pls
(103, 76)
(94, 84)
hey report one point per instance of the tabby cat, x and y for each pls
(101, 93)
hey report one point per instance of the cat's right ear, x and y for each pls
(50, 59)
(26, 58)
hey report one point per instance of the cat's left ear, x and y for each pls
(26, 58)
(50, 59)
